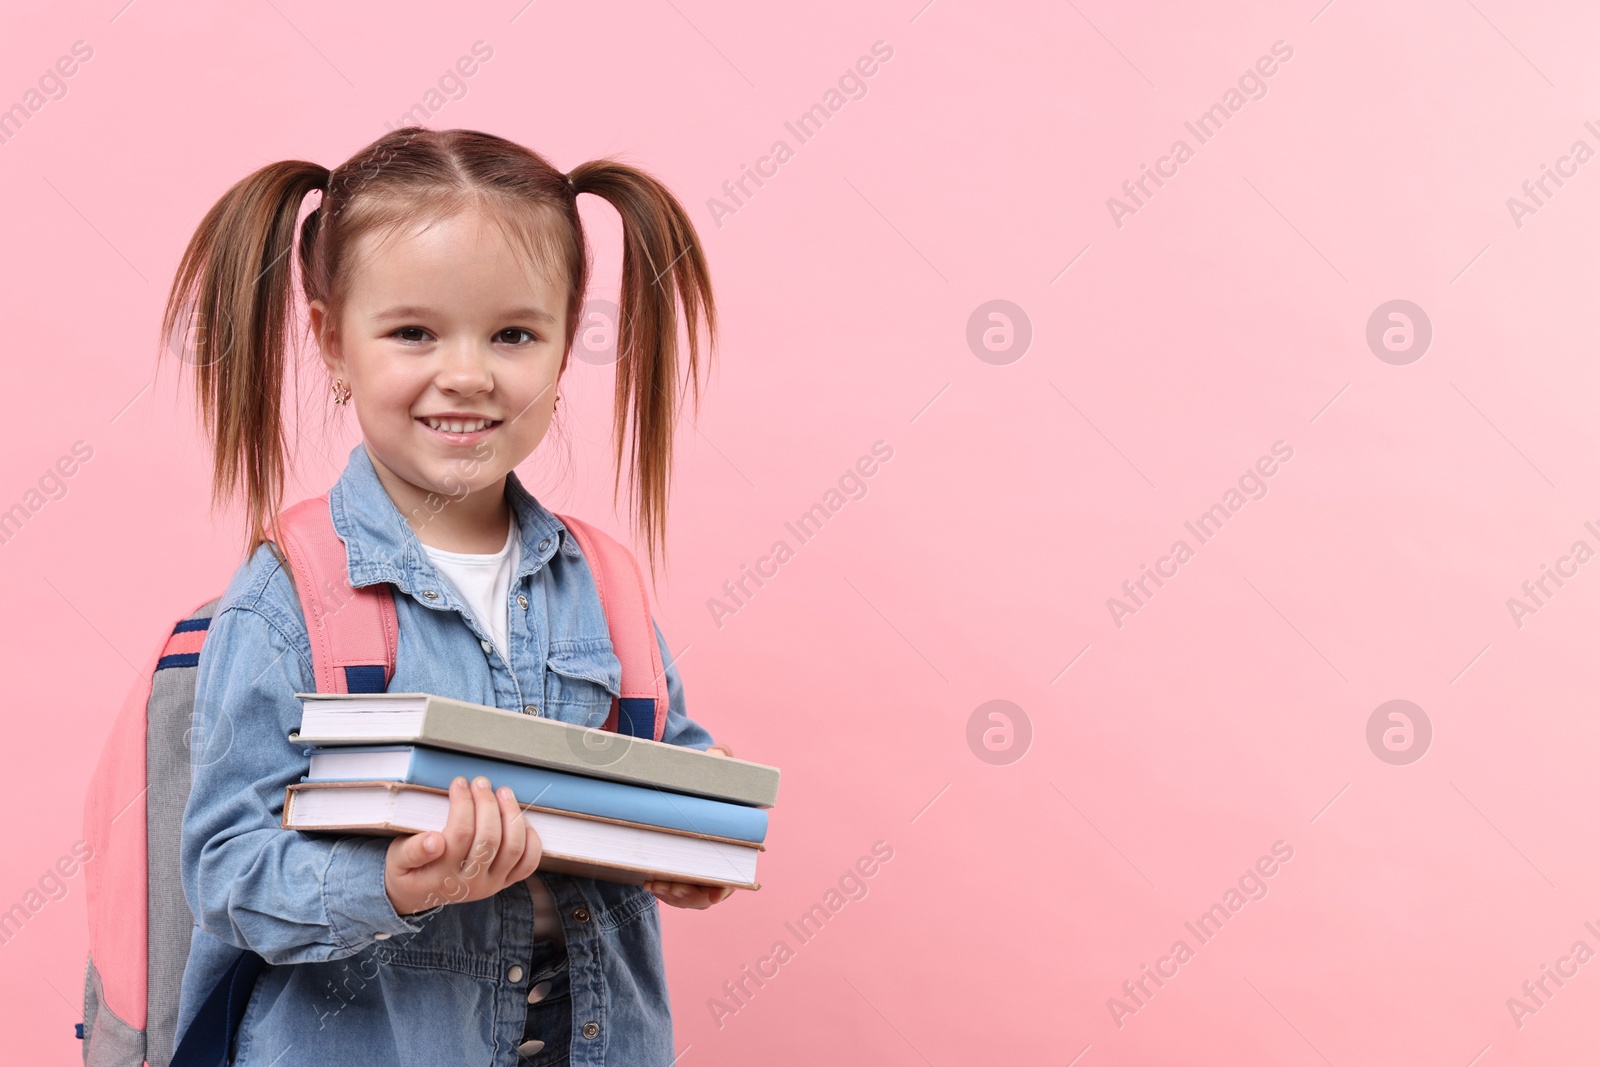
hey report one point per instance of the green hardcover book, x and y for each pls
(427, 719)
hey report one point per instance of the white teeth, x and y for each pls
(458, 426)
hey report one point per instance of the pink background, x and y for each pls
(1228, 313)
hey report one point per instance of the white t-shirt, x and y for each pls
(484, 582)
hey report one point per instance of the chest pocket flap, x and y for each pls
(580, 679)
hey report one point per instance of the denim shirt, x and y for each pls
(351, 982)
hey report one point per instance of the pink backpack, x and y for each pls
(139, 920)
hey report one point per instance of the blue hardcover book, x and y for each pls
(436, 767)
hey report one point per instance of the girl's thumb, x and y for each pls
(425, 847)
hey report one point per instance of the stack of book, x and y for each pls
(605, 805)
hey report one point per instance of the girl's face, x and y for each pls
(445, 329)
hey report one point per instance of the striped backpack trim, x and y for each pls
(183, 647)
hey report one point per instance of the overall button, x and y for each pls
(590, 1029)
(581, 914)
(514, 974)
(522, 602)
(487, 647)
(531, 709)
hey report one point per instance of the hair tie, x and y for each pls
(572, 186)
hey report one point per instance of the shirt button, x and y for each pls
(528, 1048)
(487, 647)
(544, 544)
(522, 602)
(381, 935)
(531, 709)
(590, 1029)
(430, 594)
(514, 974)
(581, 914)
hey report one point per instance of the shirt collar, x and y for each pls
(380, 545)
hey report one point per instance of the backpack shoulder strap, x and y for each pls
(641, 710)
(354, 632)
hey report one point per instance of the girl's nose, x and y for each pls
(465, 370)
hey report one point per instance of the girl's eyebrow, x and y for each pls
(538, 315)
(407, 311)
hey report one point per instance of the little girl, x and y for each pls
(443, 274)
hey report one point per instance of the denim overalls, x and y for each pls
(350, 982)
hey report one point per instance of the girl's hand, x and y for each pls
(485, 846)
(683, 894)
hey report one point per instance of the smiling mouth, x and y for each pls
(459, 431)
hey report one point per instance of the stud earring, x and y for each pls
(341, 391)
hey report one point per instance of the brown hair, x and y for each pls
(234, 288)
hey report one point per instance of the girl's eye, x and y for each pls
(514, 335)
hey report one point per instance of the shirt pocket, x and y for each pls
(621, 904)
(462, 937)
(581, 677)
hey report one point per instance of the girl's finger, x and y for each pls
(513, 835)
(486, 831)
(694, 898)
(458, 823)
(711, 894)
(419, 850)
(670, 890)
(683, 895)
(532, 853)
